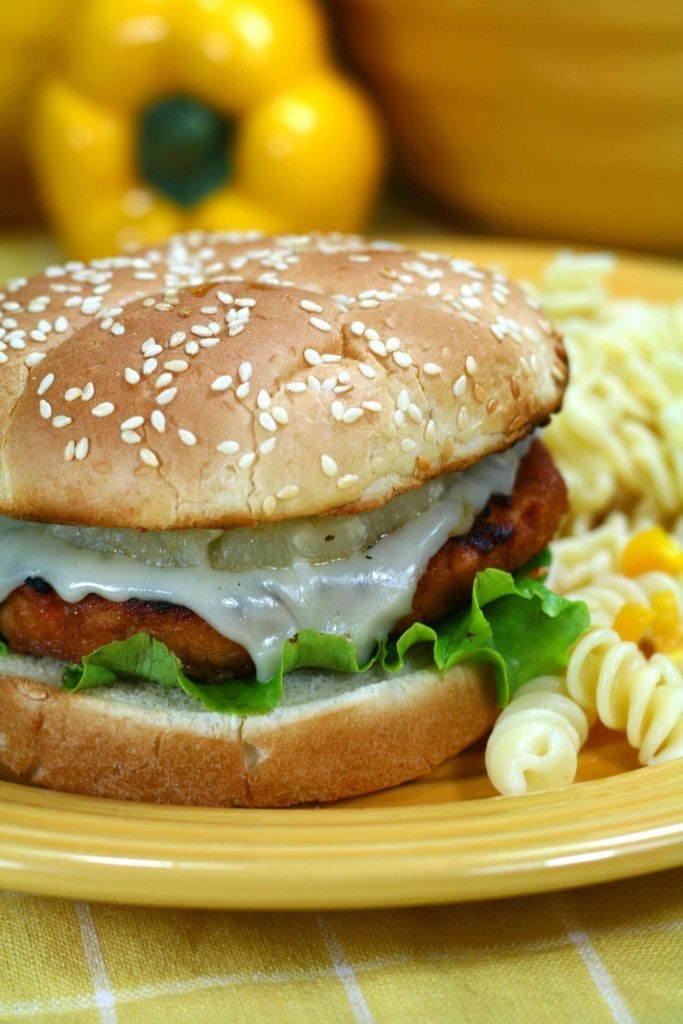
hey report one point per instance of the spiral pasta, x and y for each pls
(643, 696)
(619, 438)
(535, 742)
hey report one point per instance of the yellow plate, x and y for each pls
(441, 839)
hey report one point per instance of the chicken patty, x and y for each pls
(505, 534)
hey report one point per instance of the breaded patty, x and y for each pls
(506, 534)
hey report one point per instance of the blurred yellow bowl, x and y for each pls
(535, 117)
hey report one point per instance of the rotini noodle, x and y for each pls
(643, 696)
(619, 437)
(536, 739)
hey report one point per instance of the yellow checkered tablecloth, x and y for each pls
(601, 954)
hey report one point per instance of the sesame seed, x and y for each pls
(88, 392)
(118, 329)
(130, 437)
(408, 445)
(242, 390)
(329, 383)
(269, 505)
(430, 430)
(228, 447)
(71, 394)
(462, 419)
(103, 409)
(82, 448)
(295, 386)
(372, 406)
(319, 323)
(280, 415)
(267, 446)
(371, 334)
(32, 359)
(149, 457)
(290, 491)
(221, 383)
(150, 347)
(45, 326)
(91, 305)
(515, 388)
(61, 324)
(403, 400)
(38, 336)
(149, 366)
(310, 306)
(330, 357)
(368, 304)
(267, 421)
(245, 302)
(470, 317)
(247, 460)
(225, 298)
(491, 406)
(177, 338)
(69, 451)
(479, 394)
(163, 380)
(433, 289)
(164, 397)
(187, 437)
(346, 481)
(132, 422)
(498, 332)
(313, 383)
(45, 409)
(337, 410)
(402, 359)
(392, 344)
(351, 415)
(377, 347)
(357, 328)
(176, 365)
(399, 418)
(61, 421)
(312, 356)
(192, 348)
(329, 466)
(46, 383)
(471, 365)
(235, 329)
(209, 310)
(414, 413)
(158, 420)
(459, 386)
(16, 340)
(131, 376)
(245, 371)
(432, 369)
(367, 371)
(200, 331)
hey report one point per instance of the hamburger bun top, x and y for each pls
(222, 379)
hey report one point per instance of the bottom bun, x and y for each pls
(333, 736)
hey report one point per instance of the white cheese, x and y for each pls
(360, 597)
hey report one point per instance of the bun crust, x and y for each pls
(221, 380)
(131, 742)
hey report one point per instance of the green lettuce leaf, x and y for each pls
(516, 625)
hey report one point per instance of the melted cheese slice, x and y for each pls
(360, 597)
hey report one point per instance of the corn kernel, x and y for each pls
(652, 551)
(632, 621)
(666, 630)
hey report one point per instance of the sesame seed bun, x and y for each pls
(331, 738)
(220, 380)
